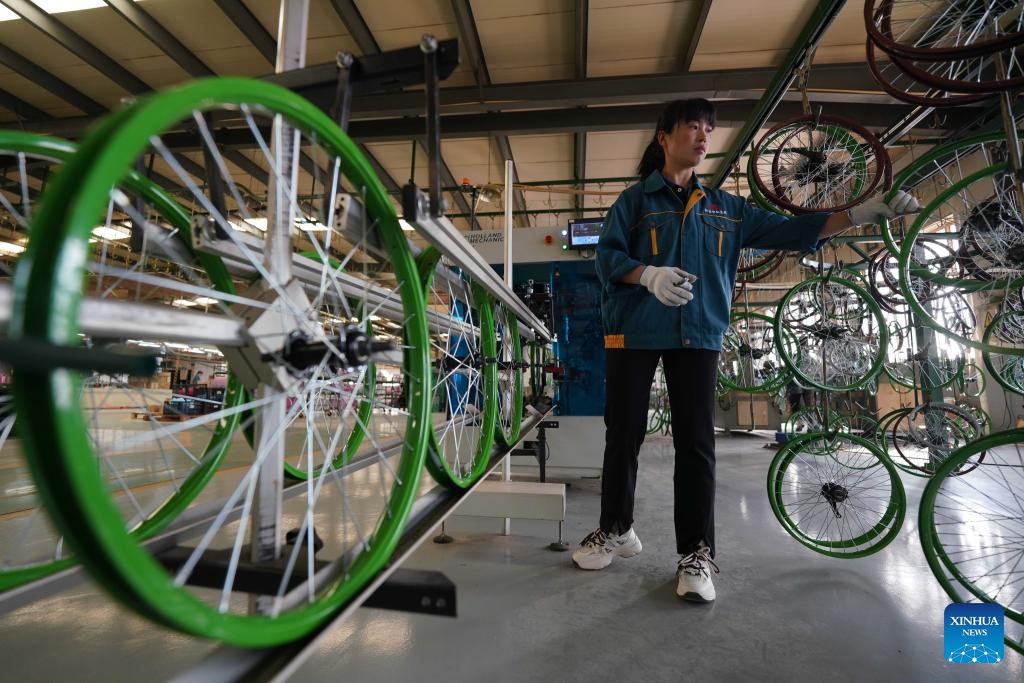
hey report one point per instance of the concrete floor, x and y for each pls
(783, 612)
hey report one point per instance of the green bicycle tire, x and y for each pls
(869, 540)
(64, 464)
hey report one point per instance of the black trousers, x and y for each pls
(690, 375)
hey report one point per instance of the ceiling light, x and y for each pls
(490, 194)
(55, 7)
(205, 301)
(183, 303)
(311, 225)
(111, 232)
(405, 225)
(11, 248)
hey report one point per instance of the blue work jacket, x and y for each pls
(649, 225)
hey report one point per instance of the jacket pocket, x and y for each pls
(653, 238)
(720, 234)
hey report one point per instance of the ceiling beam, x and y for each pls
(247, 165)
(730, 113)
(149, 27)
(470, 44)
(390, 184)
(582, 23)
(733, 113)
(844, 82)
(356, 25)
(44, 79)
(22, 109)
(698, 29)
(251, 28)
(78, 45)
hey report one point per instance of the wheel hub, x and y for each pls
(834, 494)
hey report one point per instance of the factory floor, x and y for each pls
(525, 613)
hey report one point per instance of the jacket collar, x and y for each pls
(655, 181)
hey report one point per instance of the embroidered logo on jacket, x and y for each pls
(715, 210)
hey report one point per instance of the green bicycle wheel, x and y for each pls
(510, 374)
(749, 360)
(971, 381)
(358, 406)
(831, 333)
(463, 384)
(277, 336)
(1007, 371)
(169, 487)
(971, 525)
(827, 492)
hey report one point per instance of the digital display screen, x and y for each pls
(584, 234)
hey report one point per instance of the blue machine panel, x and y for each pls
(576, 317)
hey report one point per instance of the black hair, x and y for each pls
(678, 111)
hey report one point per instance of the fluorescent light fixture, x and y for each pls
(11, 248)
(205, 301)
(310, 224)
(405, 225)
(111, 232)
(55, 7)
(258, 223)
(183, 303)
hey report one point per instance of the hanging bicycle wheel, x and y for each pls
(510, 373)
(829, 492)
(291, 335)
(831, 333)
(929, 433)
(894, 81)
(934, 293)
(1007, 370)
(972, 526)
(463, 383)
(928, 361)
(954, 47)
(749, 361)
(943, 30)
(819, 163)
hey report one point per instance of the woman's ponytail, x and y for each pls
(652, 160)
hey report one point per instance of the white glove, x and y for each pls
(876, 208)
(672, 286)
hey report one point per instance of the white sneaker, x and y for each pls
(694, 573)
(599, 549)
